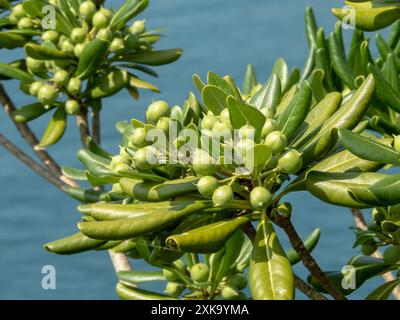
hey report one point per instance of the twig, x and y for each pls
(96, 127)
(31, 139)
(307, 259)
(360, 223)
(250, 232)
(120, 261)
(307, 289)
(39, 169)
(83, 125)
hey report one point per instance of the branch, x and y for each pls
(31, 139)
(360, 223)
(307, 289)
(96, 126)
(307, 259)
(83, 125)
(39, 169)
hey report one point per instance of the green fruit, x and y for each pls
(138, 27)
(61, 77)
(207, 186)
(225, 115)
(230, 292)
(131, 41)
(277, 141)
(87, 9)
(117, 44)
(246, 132)
(222, 129)
(291, 162)
(74, 86)
(244, 145)
(267, 113)
(47, 94)
(169, 275)
(163, 124)
(176, 114)
(67, 46)
(203, 163)
(78, 49)
(260, 198)
(121, 167)
(104, 34)
(145, 158)
(238, 280)
(373, 227)
(397, 143)
(222, 196)
(34, 65)
(18, 11)
(208, 121)
(156, 110)
(391, 254)
(102, 18)
(78, 35)
(174, 289)
(50, 35)
(72, 107)
(368, 249)
(34, 88)
(199, 272)
(269, 126)
(138, 138)
(25, 23)
(180, 265)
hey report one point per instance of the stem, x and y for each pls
(32, 164)
(28, 135)
(96, 127)
(360, 223)
(83, 125)
(307, 289)
(308, 261)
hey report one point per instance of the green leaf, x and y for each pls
(216, 80)
(130, 293)
(310, 243)
(368, 148)
(42, 52)
(269, 95)
(384, 291)
(88, 158)
(55, 128)
(73, 244)
(109, 83)
(271, 275)
(214, 99)
(31, 112)
(91, 58)
(14, 73)
(139, 276)
(281, 69)
(334, 188)
(198, 83)
(250, 80)
(73, 173)
(11, 41)
(139, 83)
(33, 8)
(257, 157)
(296, 112)
(126, 12)
(242, 114)
(154, 58)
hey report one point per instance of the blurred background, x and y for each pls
(222, 36)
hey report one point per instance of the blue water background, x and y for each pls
(222, 36)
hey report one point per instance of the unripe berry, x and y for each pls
(222, 196)
(391, 254)
(104, 34)
(291, 162)
(74, 86)
(72, 107)
(203, 163)
(199, 272)
(269, 126)
(156, 110)
(51, 35)
(225, 115)
(229, 292)
(208, 122)
(222, 129)
(397, 143)
(18, 11)
(138, 138)
(78, 35)
(368, 249)
(67, 46)
(145, 158)
(169, 275)
(102, 18)
(47, 94)
(174, 289)
(163, 124)
(207, 185)
(25, 23)
(87, 9)
(34, 88)
(260, 198)
(78, 49)
(276, 141)
(117, 44)
(267, 113)
(246, 132)
(61, 77)
(138, 27)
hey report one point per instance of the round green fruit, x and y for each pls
(222, 196)
(87, 9)
(67, 46)
(225, 115)
(180, 265)
(174, 289)
(169, 275)
(391, 254)
(74, 86)
(50, 35)
(34, 65)
(397, 143)
(244, 145)
(203, 163)
(276, 141)
(246, 132)
(117, 44)
(102, 18)
(260, 198)
(78, 35)
(291, 162)
(207, 186)
(47, 94)
(61, 77)
(269, 126)
(145, 158)
(104, 34)
(368, 249)
(199, 272)
(222, 129)
(163, 124)
(34, 88)
(267, 113)
(72, 107)
(78, 49)
(230, 293)
(121, 167)
(18, 11)
(156, 110)
(138, 27)
(25, 23)
(138, 138)
(208, 121)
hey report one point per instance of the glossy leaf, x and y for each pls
(30, 112)
(55, 128)
(269, 95)
(139, 276)
(154, 58)
(130, 293)
(73, 244)
(214, 99)
(384, 291)
(42, 52)
(310, 243)
(250, 80)
(126, 12)
(91, 58)
(14, 73)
